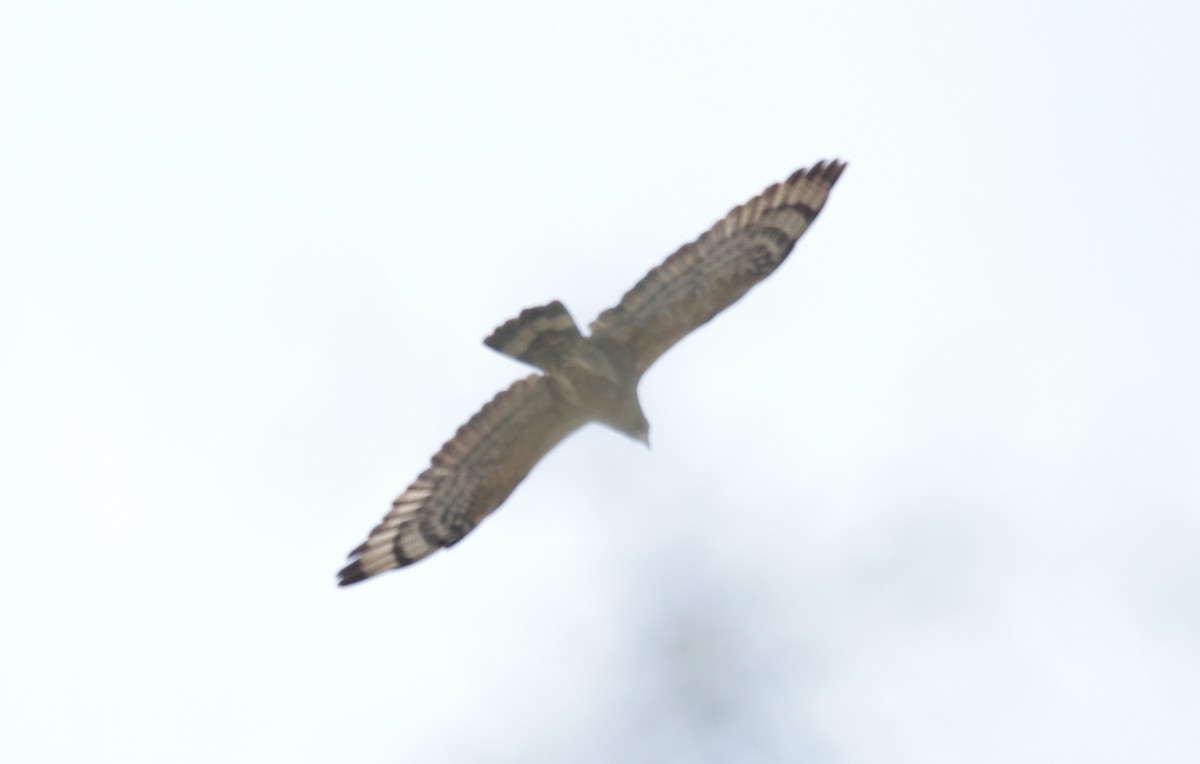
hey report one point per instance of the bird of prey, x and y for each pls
(587, 379)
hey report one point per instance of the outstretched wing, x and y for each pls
(703, 278)
(472, 475)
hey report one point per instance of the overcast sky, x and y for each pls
(928, 494)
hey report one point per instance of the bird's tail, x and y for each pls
(540, 336)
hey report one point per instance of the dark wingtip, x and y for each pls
(827, 170)
(351, 574)
(834, 170)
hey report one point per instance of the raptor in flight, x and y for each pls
(587, 379)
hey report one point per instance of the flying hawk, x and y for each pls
(587, 379)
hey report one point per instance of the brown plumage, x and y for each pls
(587, 379)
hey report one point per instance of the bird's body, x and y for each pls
(587, 378)
(588, 375)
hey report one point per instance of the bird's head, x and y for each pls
(641, 432)
(630, 420)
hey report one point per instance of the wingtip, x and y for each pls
(830, 170)
(826, 169)
(352, 574)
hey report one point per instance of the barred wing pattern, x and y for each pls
(473, 474)
(703, 278)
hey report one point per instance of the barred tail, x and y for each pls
(539, 336)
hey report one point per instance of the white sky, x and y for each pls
(929, 494)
